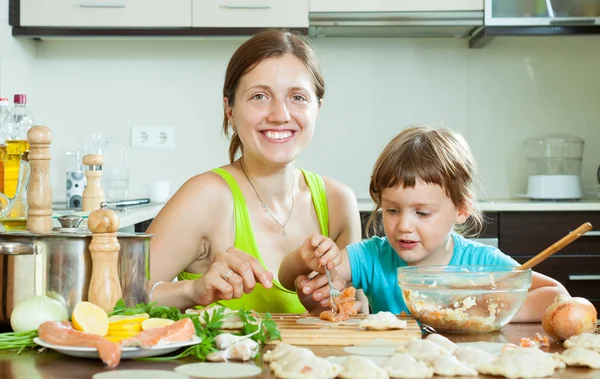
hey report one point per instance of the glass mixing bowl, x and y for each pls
(464, 299)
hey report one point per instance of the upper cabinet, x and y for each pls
(250, 13)
(104, 13)
(394, 5)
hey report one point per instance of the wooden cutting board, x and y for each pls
(295, 333)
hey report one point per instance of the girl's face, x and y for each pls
(275, 110)
(418, 222)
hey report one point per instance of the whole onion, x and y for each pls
(569, 316)
(29, 314)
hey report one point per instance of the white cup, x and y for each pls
(158, 191)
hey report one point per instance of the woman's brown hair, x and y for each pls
(266, 44)
(434, 156)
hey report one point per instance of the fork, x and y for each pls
(333, 292)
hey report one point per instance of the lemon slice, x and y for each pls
(137, 327)
(115, 338)
(90, 318)
(156, 323)
(131, 319)
(122, 333)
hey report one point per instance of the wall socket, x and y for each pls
(153, 137)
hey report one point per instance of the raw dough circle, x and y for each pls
(137, 374)
(219, 370)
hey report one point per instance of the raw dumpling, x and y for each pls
(382, 321)
(579, 356)
(448, 365)
(586, 340)
(404, 366)
(296, 354)
(279, 351)
(231, 320)
(357, 367)
(522, 362)
(442, 341)
(474, 357)
(306, 367)
(423, 350)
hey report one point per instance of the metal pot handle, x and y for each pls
(15, 248)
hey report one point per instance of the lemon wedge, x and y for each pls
(90, 318)
(156, 323)
(122, 333)
(137, 327)
(131, 319)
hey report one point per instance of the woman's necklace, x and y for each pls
(262, 203)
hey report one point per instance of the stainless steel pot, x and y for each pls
(59, 265)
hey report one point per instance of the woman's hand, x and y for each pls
(232, 274)
(319, 251)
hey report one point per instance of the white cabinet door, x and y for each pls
(107, 13)
(250, 13)
(394, 5)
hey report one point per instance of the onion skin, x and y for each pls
(569, 316)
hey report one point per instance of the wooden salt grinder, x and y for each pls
(39, 190)
(105, 286)
(93, 194)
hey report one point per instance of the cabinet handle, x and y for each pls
(90, 4)
(584, 277)
(247, 6)
(591, 233)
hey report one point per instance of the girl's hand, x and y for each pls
(232, 274)
(319, 251)
(314, 292)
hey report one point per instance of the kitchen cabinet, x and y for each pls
(524, 234)
(394, 5)
(250, 14)
(105, 13)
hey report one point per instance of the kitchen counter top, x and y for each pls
(517, 205)
(128, 216)
(50, 365)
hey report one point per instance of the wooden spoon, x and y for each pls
(557, 246)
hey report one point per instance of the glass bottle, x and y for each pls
(17, 123)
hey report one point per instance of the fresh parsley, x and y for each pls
(151, 309)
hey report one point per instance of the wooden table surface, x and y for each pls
(51, 365)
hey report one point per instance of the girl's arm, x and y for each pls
(541, 294)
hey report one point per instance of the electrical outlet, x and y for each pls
(153, 137)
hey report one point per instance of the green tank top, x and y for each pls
(277, 299)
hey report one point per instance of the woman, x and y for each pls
(226, 230)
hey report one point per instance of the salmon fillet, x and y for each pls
(180, 331)
(63, 334)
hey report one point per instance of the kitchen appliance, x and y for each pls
(76, 179)
(554, 164)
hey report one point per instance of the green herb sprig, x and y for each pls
(151, 309)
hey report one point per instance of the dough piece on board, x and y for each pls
(449, 365)
(587, 340)
(401, 365)
(579, 356)
(279, 351)
(357, 367)
(423, 350)
(474, 357)
(305, 367)
(442, 341)
(523, 362)
(217, 370)
(382, 321)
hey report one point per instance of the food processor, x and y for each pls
(554, 164)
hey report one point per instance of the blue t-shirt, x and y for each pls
(374, 267)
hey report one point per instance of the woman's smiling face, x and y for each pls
(275, 109)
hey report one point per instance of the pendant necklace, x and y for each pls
(264, 206)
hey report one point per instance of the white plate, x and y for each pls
(126, 352)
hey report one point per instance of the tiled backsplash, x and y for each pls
(513, 89)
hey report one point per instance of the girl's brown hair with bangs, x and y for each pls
(434, 156)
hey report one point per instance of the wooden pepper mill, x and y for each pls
(93, 194)
(105, 286)
(39, 190)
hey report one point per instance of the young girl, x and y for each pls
(422, 182)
